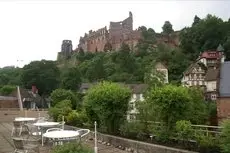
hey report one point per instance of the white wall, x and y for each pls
(133, 103)
(211, 85)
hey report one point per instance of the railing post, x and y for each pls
(95, 131)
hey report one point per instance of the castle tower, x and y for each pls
(66, 47)
(130, 14)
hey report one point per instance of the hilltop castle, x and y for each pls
(111, 39)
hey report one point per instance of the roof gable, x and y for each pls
(193, 68)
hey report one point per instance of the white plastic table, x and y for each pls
(45, 125)
(24, 119)
(61, 134)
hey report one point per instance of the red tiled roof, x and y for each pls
(210, 54)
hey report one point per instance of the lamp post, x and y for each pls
(95, 131)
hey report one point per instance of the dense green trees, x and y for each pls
(10, 76)
(44, 74)
(71, 79)
(205, 34)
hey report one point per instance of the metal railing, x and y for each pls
(205, 129)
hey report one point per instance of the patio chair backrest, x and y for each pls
(83, 132)
(54, 129)
(41, 119)
(18, 143)
(17, 124)
(31, 128)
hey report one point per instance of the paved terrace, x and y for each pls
(6, 143)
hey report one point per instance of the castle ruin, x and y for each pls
(111, 39)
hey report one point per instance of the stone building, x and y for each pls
(223, 86)
(118, 33)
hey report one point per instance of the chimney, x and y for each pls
(34, 89)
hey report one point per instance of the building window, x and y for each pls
(131, 105)
(132, 117)
(213, 97)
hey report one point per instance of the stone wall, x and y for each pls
(132, 145)
(11, 114)
(9, 103)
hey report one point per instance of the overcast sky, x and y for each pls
(34, 30)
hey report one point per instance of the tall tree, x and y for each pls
(107, 103)
(44, 74)
(71, 79)
(196, 20)
(167, 28)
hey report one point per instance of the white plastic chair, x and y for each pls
(17, 128)
(83, 132)
(21, 146)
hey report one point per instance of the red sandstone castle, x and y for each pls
(111, 39)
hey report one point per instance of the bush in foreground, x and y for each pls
(72, 148)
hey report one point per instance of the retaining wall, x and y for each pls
(132, 145)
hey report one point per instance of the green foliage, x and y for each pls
(206, 142)
(71, 79)
(167, 28)
(71, 148)
(131, 129)
(153, 77)
(161, 132)
(184, 130)
(198, 112)
(7, 89)
(62, 94)
(10, 76)
(44, 74)
(169, 103)
(76, 118)
(107, 103)
(62, 108)
(225, 137)
(205, 34)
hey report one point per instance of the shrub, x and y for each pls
(225, 137)
(71, 148)
(184, 130)
(75, 118)
(7, 89)
(63, 108)
(62, 94)
(207, 143)
(131, 129)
